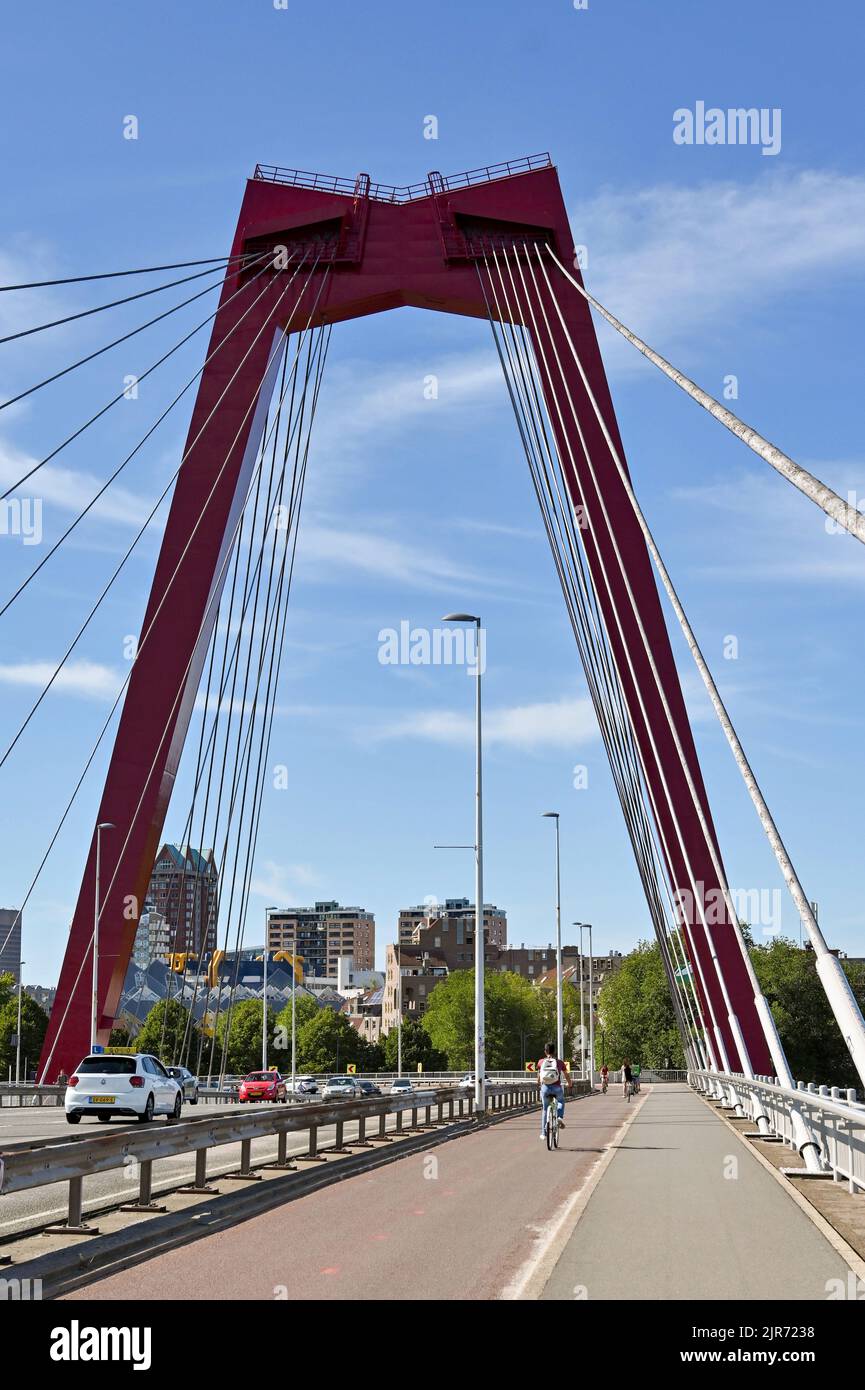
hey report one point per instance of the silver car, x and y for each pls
(187, 1083)
(341, 1087)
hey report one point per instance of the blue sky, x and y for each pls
(729, 261)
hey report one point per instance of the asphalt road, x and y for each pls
(455, 1222)
(678, 1210)
(21, 1210)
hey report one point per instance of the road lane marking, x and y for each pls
(531, 1279)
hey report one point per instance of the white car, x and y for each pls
(134, 1084)
(341, 1087)
(467, 1083)
(401, 1086)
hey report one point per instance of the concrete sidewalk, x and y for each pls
(685, 1211)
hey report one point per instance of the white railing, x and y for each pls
(836, 1123)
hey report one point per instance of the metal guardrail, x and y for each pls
(26, 1166)
(837, 1124)
(27, 1094)
(405, 193)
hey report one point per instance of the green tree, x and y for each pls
(7, 986)
(416, 1047)
(243, 1053)
(34, 1025)
(306, 1008)
(636, 1013)
(120, 1037)
(449, 1020)
(518, 1019)
(328, 1042)
(810, 1036)
(162, 1032)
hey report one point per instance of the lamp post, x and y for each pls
(293, 1004)
(480, 1057)
(21, 965)
(560, 1022)
(398, 1008)
(94, 1011)
(582, 1023)
(267, 912)
(591, 1009)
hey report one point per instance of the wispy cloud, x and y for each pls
(280, 883)
(88, 679)
(565, 723)
(70, 490)
(773, 533)
(670, 260)
(328, 551)
(365, 397)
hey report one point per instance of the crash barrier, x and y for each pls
(72, 1160)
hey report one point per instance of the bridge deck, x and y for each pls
(490, 1214)
(666, 1222)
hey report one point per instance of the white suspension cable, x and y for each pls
(214, 590)
(835, 983)
(718, 1035)
(819, 492)
(509, 317)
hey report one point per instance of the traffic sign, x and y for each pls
(351, 1068)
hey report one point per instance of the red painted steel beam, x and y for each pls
(381, 255)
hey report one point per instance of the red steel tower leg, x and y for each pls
(380, 248)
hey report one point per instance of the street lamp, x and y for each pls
(560, 1022)
(21, 965)
(591, 1009)
(94, 1013)
(587, 926)
(267, 912)
(582, 1023)
(480, 1058)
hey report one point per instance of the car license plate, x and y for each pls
(102, 1100)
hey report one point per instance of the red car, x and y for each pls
(262, 1085)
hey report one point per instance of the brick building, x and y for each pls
(324, 933)
(183, 889)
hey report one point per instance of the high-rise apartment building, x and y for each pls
(322, 934)
(453, 912)
(10, 942)
(183, 889)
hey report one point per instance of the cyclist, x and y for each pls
(635, 1071)
(627, 1079)
(552, 1074)
(605, 1078)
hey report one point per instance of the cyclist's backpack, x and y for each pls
(549, 1072)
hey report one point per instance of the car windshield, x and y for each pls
(107, 1066)
(260, 1076)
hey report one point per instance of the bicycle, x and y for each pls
(551, 1123)
(604, 1084)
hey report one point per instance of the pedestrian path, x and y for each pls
(684, 1211)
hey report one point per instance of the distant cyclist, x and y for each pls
(627, 1079)
(605, 1078)
(552, 1074)
(635, 1073)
